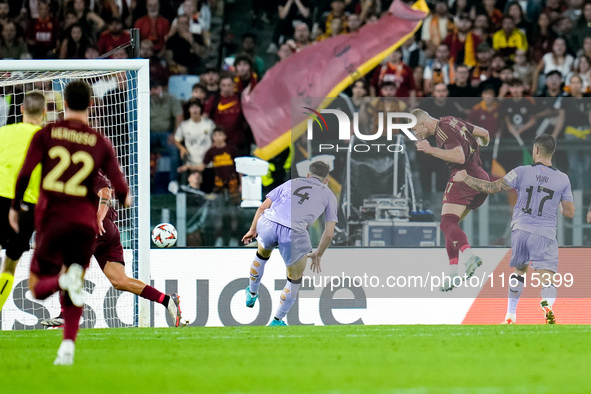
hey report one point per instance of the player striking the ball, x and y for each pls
(458, 144)
(541, 191)
(70, 153)
(109, 255)
(14, 142)
(282, 220)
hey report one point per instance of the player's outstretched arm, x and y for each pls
(252, 232)
(567, 209)
(482, 186)
(322, 246)
(482, 134)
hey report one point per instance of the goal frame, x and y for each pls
(142, 199)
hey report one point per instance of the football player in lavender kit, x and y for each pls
(541, 191)
(282, 221)
(458, 144)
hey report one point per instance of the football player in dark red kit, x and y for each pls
(109, 255)
(70, 153)
(458, 144)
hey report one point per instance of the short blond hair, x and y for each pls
(420, 114)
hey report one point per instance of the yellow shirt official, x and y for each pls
(14, 144)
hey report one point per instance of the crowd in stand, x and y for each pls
(500, 53)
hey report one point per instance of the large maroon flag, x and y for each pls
(321, 71)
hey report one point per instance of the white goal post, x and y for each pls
(121, 111)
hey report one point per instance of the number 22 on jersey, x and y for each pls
(73, 185)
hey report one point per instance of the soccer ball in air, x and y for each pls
(164, 235)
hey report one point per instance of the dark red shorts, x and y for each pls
(108, 246)
(462, 194)
(62, 243)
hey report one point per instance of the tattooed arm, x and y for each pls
(482, 186)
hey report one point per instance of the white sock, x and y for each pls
(514, 292)
(288, 297)
(257, 268)
(549, 293)
(465, 256)
(453, 270)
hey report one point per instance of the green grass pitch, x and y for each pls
(334, 359)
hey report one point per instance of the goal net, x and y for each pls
(120, 105)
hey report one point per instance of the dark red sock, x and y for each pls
(154, 295)
(71, 315)
(455, 238)
(46, 286)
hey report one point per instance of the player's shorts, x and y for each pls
(462, 194)
(16, 244)
(541, 251)
(61, 243)
(293, 245)
(108, 247)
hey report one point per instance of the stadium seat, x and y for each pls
(180, 86)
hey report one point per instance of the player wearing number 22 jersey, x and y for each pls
(541, 190)
(458, 144)
(70, 153)
(282, 221)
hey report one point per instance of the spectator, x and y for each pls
(353, 23)
(245, 77)
(225, 110)
(199, 91)
(462, 43)
(482, 70)
(574, 11)
(437, 25)
(554, 9)
(91, 52)
(582, 28)
(227, 186)
(583, 71)
(462, 87)
(439, 70)
(359, 91)
(486, 113)
(188, 8)
(12, 46)
(301, 35)
(574, 116)
(549, 102)
(153, 27)
(75, 45)
(193, 137)
(42, 34)
(586, 49)
(509, 38)
(166, 115)
(541, 38)
(497, 64)
(112, 9)
(185, 50)
(4, 11)
(337, 27)
(504, 81)
(290, 11)
(91, 23)
(419, 81)
(337, 11)
(211, 79)
(558, 60)
(248, 47)
(113, 37)
(397, 72)
(515, 11)
(517, 112)
(286, 50)
(158, 71)
(494, 15)
(482, 27)
(523, 69)
(412, 54)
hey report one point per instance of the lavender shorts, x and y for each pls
(541, 251)
(293, 245)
